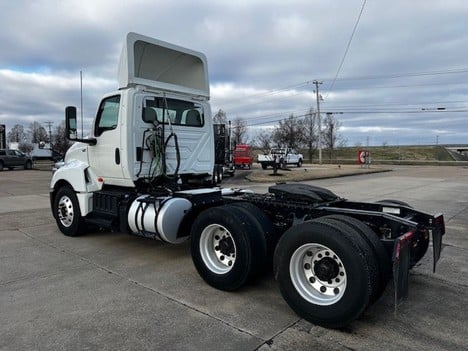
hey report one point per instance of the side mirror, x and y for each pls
(70, 122)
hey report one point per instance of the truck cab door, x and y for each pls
(292, 156)
(105, 157)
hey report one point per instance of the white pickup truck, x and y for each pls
(282, 157)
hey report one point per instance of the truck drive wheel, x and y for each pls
(264, 166)
(323, 272)
(227, 249)
(299, 163)
(67, 212)
(267, 230)
(384, 264)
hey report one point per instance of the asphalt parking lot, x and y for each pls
(112, 291)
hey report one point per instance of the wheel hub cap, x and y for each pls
(326, 269)
(318, 274)
(65, 211)
(217, 249)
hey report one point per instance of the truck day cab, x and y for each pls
(147, 169)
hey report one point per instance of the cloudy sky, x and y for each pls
(402, 79)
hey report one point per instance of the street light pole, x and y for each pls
(317, 95)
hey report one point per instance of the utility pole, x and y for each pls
(317, 83)
(49, 124)
(81, 102)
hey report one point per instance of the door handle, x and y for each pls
(117, 156)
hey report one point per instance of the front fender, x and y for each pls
(76, 174)
(72, 172)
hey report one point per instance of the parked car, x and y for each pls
(14, 158)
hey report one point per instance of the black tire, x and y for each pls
(226, 248)
(299, 164)
(264, 166)
(324, 273)
(28, 165)
(384, 263)
(267, 230)
(1, 166)
(67, 212)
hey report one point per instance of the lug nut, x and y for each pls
(221, 258)
(307, 266)
(323, 289)
(312, 280)
(336, 291)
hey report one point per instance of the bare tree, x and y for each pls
(25, 147)
(38, 133)
(16, 134)
(60, 142)
(311, 132)
(220, 117)
(239, 131)
(330, 137)
(264, 140)
(290, 132)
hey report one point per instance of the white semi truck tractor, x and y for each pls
(147, 168)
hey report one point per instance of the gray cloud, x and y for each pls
(254, 48)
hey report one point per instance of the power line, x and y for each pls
(347, 48)
(341, 112)
(357, 78)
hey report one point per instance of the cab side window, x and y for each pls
(108, 115)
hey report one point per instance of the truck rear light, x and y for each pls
(401, 242)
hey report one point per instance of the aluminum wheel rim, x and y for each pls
(65, 211)
(217, 249)
(318, 274)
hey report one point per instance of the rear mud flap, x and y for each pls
(402, 253)
(437, 231)
(401, 265)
